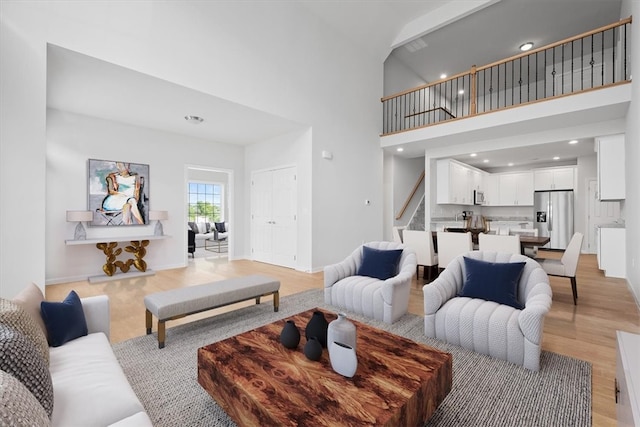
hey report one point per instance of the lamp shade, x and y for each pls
(79, 216)
(158, 215)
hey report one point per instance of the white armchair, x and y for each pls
(385, 300)
(497, 330)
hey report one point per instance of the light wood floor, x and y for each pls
(585, 331)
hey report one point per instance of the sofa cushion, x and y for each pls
(380, 264)
(30, 298)
(18, 407)
(221, 227)
(14, 315)
(202, 227)
(90, 388)
(64, 320)
(20, 358)
(492, 281)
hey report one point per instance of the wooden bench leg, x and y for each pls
(276, 301)
(148, 321)
(161, 333)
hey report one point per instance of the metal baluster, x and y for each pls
(562, 70)
(624, 69)
(592, 61)
(582, 63)
(572, 66)
(613, 56)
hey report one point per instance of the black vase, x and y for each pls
(290, 335)
(313, 349)
(317, 327)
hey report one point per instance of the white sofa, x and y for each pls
(497, 330)
(385, 300)
(212, 235)
(89, 386)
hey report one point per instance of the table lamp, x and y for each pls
(79, 217)
(158, 216)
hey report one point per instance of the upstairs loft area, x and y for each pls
(590, 61)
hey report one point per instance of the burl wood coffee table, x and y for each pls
(259, 382)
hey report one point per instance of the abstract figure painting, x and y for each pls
(118, 192)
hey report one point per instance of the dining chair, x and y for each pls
(450, 245)
(531, 252)
(422, 243)
(567, 265)
(499, 243)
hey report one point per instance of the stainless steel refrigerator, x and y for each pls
(553, 217)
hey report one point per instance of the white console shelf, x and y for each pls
(114, 239)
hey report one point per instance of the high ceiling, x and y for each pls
(458, 33)
(496, 32)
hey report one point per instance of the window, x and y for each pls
(205, 202)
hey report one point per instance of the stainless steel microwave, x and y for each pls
(478, 197)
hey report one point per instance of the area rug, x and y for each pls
(485, 392)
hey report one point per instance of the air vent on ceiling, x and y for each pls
(415, 45)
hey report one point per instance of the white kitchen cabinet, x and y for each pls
(627, 382)
(454, 183)
(554, 179)
(611, 169)
(515, 189)
(612, 251)
(491, 187)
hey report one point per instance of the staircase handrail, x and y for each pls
(413, 193)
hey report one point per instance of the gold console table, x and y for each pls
(109, 246)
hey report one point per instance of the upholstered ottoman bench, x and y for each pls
(176, 303)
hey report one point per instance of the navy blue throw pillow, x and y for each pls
(492, 281)
(381, 264)
(64, 320)
(220, 227)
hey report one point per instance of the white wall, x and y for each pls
(587, 169)
(632, 154)
(276, 57)
(398, 77)
(405, 175)
(289, 150)
(73, 139)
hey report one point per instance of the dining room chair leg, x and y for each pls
(574, 289)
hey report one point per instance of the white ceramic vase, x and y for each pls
(343, 359)
(342, 331)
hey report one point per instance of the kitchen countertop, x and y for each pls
(611, 225)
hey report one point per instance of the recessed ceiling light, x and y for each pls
(400, 149)
(443, 76)
(573, 141)
(510, 164)
(556, 158)
(485, 161)
(473, 154)
(526, 46)
(461, 91)
(194, 119)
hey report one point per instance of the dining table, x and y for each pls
(526, 241)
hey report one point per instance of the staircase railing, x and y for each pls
(410, 197)
(589, 61)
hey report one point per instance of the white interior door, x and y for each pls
(261, 200)
(598, 213)
(274, 216)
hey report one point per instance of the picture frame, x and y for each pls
(118, 193)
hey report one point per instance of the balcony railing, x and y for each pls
(592, 60)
